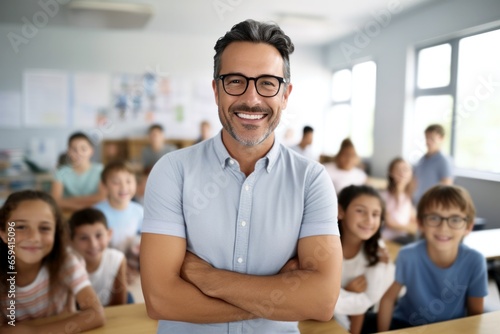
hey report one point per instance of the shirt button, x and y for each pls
(231, 162)
(247, 187)
(243, 223)
(240, 260)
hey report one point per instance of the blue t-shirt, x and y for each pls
(126, 224)
(249, 225)
(429, 171)
(76, 184)
(435, 294)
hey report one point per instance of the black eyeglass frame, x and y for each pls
(281, 80)
(464, 221)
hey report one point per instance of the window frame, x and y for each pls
(451, 89)
(349, 101)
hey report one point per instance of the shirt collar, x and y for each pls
(223, 155)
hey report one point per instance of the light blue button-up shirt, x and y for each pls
(249, 225)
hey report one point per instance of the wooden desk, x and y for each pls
(123, 319)
(133, 319)
(486, 323)
(486, 242)
(318, 327)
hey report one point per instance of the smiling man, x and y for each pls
(240, 233)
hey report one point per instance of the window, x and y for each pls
(458, 86)
(353, 107)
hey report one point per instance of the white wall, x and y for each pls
(392, 47)
(185, 56)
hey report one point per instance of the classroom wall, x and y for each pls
(180, 55)
(392, 48)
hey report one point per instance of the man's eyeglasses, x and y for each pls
(454, 222)
(265, 85)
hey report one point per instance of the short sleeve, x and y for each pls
(74, 274)
(478, 286)
(320, 207)
(163, 209)
(401, 268)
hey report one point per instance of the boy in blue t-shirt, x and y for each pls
(444, 278)
(123, 215)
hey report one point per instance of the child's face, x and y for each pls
(443, 237)
(156, 137)
(433, 141)
(90, 240)
(362, 217)
(402, 173)
(80, 151)
(121, 186)
(35, 228)
(348, 159)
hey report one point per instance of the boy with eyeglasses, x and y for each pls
(444, 278)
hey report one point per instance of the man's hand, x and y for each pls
(357, 285)
(291, 265)
(194, 269)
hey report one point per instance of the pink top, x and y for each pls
(33, 301)
(400, 210)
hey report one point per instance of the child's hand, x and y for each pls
(383, 255)
(357, 285)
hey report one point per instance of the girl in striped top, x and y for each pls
(40, 276)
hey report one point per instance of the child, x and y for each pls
(366, 273)
(343, 170)
(156, 149)
(107, 267)
(48, 277)
(400, 214)
(76, 184)
(433, 168)
(124, 217)
(444, 279)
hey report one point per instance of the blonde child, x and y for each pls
(76, 185)
(400, 214)
(444, 279)
(107, 267)
(366, 271)
(343, 170)
(48, 277)
(124, 216)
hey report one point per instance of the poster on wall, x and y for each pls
(46, 98)
(91, 98)
(10, 109)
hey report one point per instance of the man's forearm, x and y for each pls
(184, 302)
(292, 296)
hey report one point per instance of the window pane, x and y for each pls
(363, 106)
(341, 85)
(338, 126)
(478, 103)
(434, 66)
(430, 110)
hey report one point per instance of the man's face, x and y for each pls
(250, 119)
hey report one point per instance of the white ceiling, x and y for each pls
(307, 22)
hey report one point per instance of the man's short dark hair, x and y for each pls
(256, 32)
